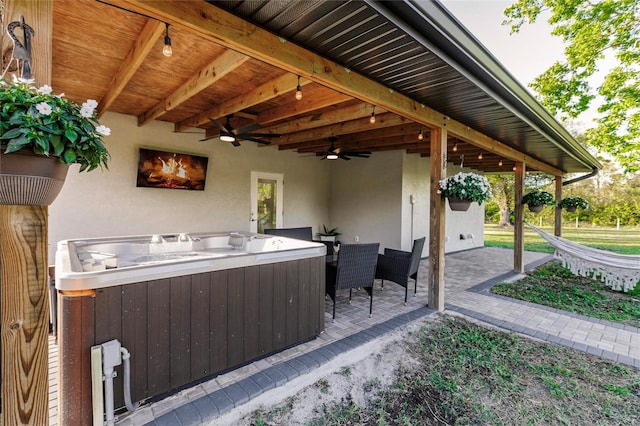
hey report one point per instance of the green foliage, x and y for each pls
(329, 232)
(47, 124)
(466, 186)
(555, 286)
(592, 31)
(538, 198)
(573, 201)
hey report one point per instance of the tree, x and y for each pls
(502, 188)
(593, 30)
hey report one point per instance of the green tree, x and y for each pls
(592, 30)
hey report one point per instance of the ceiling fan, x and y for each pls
(334, 153)
(229, 134)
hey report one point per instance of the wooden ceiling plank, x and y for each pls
(324, 118)
(205, 77)
(347, 127)
(269, 90)
(303, 106)
(136, 56)
(226, 29)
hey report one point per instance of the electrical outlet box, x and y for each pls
(412, 199)
(356, 239)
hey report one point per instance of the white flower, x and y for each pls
(91, 103)
(45, 90)
(44, 108)
(86, 112)
(23, 80)
(103, 130)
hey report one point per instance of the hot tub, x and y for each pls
(187, 307)
(92, 263)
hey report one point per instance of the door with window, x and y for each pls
(266, 201)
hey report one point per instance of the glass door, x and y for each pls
(266, 201)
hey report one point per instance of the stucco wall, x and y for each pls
(109, 203)
(366, 198)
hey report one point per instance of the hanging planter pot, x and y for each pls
(459, 204)
(572, 209)
(30, 179)
(536, 208)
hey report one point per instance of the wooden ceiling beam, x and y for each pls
(225, 29)
(147, 38)
(303, 106)
(324, 118)
(347, 127)
(272, 89)
(202, 79)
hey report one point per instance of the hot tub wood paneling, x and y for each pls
(180, 330)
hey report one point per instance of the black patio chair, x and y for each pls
(355, 268)
(398, 266)
(302, 233)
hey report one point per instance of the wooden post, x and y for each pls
(23, 261)
(558, 216)
(437, 219)
(518, 227)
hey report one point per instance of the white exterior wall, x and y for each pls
(368, 198)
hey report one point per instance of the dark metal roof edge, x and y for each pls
(467, 52)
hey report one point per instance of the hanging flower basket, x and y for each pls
(536, 200)
(462, 189)
(30, 179)
(459, 204)
(572, 203)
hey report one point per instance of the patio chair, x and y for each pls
(398, 266)
(355, 268)
(302, 233)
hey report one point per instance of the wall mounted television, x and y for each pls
(162, 169)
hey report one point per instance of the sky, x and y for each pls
(525, 54)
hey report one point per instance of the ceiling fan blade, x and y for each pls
(256, 140)
(235, 143)
(246, 129)
(343, 157)
(259, 135)
(219, 124)
(363, 154)
(210, 137)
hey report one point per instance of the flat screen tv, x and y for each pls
(161, 169)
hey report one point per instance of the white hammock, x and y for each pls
(618, 271)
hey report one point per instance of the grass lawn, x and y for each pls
(466, 374)
(624, 241)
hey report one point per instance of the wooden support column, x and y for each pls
(23, 260)
(437, 219)
(518, 227)
(558, 216)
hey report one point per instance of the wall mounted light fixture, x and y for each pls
(298, 90)
(167, 50)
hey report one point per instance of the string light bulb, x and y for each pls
(167, 50)
(500, 163)
(298, 90)
(455, 147)
(480, 156)
(420, 135)
(372, 119)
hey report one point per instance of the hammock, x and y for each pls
(618, 271)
